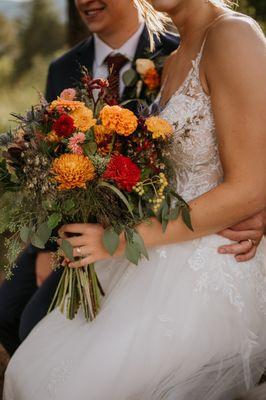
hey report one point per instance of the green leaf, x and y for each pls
(186, 218)
(165, 215)
(68, 205)
(174, 214)
(110, 240)
(141, 245)
(54, 220)
(44, 232)
(37, 242)
(119, 194)
(67, 249)
(130, 77)
(90, 148)
(132, 252)
(25, 234)
(140, 209)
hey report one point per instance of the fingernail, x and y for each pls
(222, 251)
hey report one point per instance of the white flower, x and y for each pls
(143, 65)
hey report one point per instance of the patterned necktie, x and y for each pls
(115, 63)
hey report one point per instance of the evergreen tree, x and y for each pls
(41, 34)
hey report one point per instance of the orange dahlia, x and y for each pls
(83, 118)
(159, 127)
(72, 171)
(119, 120)
(68, 104)
(152, 79)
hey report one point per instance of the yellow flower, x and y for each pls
(101, 133)
(119, 120)
(73, 171)
(52, 137)
(83, 119)
(68, 104)
(159, 127)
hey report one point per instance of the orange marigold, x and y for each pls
(52, 137)
(159, 127)
(83, 118)
(152, 79)
(73, 171)
(101, 133)
(68, 104)
(119, 120)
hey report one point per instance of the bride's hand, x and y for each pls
(88, 244)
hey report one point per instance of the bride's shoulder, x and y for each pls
(235, 31)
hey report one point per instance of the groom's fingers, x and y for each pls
(239, 236)
(236, 248)
(248, 256)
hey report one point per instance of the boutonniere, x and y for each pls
(143, 79)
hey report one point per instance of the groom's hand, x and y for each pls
(247, 234)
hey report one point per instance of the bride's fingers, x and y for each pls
(82, 251)
(238, 236)
(75, 241)
(73, 228)
(236, 248)
(82, 262)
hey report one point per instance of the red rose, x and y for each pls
(64, 126)
(123, 172)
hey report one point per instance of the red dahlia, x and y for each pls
(64, 126)
(123, 172)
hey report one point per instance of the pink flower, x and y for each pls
(75, 142)
(68, 94)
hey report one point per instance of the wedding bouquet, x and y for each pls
(79, 159)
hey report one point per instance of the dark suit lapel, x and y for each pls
(85, 56)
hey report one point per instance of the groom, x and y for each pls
(119, 39)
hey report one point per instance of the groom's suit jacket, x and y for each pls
(65, 72)
(22, 304)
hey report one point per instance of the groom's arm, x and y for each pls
(247, 236)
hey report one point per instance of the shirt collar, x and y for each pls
(128, 49)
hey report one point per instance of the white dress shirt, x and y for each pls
(102, 50)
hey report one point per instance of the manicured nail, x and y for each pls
(222, 251)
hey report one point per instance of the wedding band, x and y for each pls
(253, 242)
(79, 250)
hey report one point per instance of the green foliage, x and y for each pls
(43, 31)
(110, 240)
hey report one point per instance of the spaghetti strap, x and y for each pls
(207, 31)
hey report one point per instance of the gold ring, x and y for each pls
(253, 242)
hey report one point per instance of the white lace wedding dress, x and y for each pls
(189, 324)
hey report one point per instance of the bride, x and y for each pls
(190, 324)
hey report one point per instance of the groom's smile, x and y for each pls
(94, 11)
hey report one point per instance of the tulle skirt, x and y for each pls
(189, 324)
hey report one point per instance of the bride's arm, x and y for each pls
(234, 71)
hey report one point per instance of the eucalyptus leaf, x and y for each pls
(37, 241)
(174, 214)
(54, 220)
(68, 205)
(67, 249)
(110, 240)
(132, 252)
(44, 232)
(186, 218)
(90, 148)
(140, 209)
(25, 234)
(141, 245)
(130, 77)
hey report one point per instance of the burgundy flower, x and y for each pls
(64, 126)
(123, 172)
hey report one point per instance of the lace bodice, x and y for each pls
(195, 149)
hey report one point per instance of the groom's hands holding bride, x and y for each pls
(247, 235)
